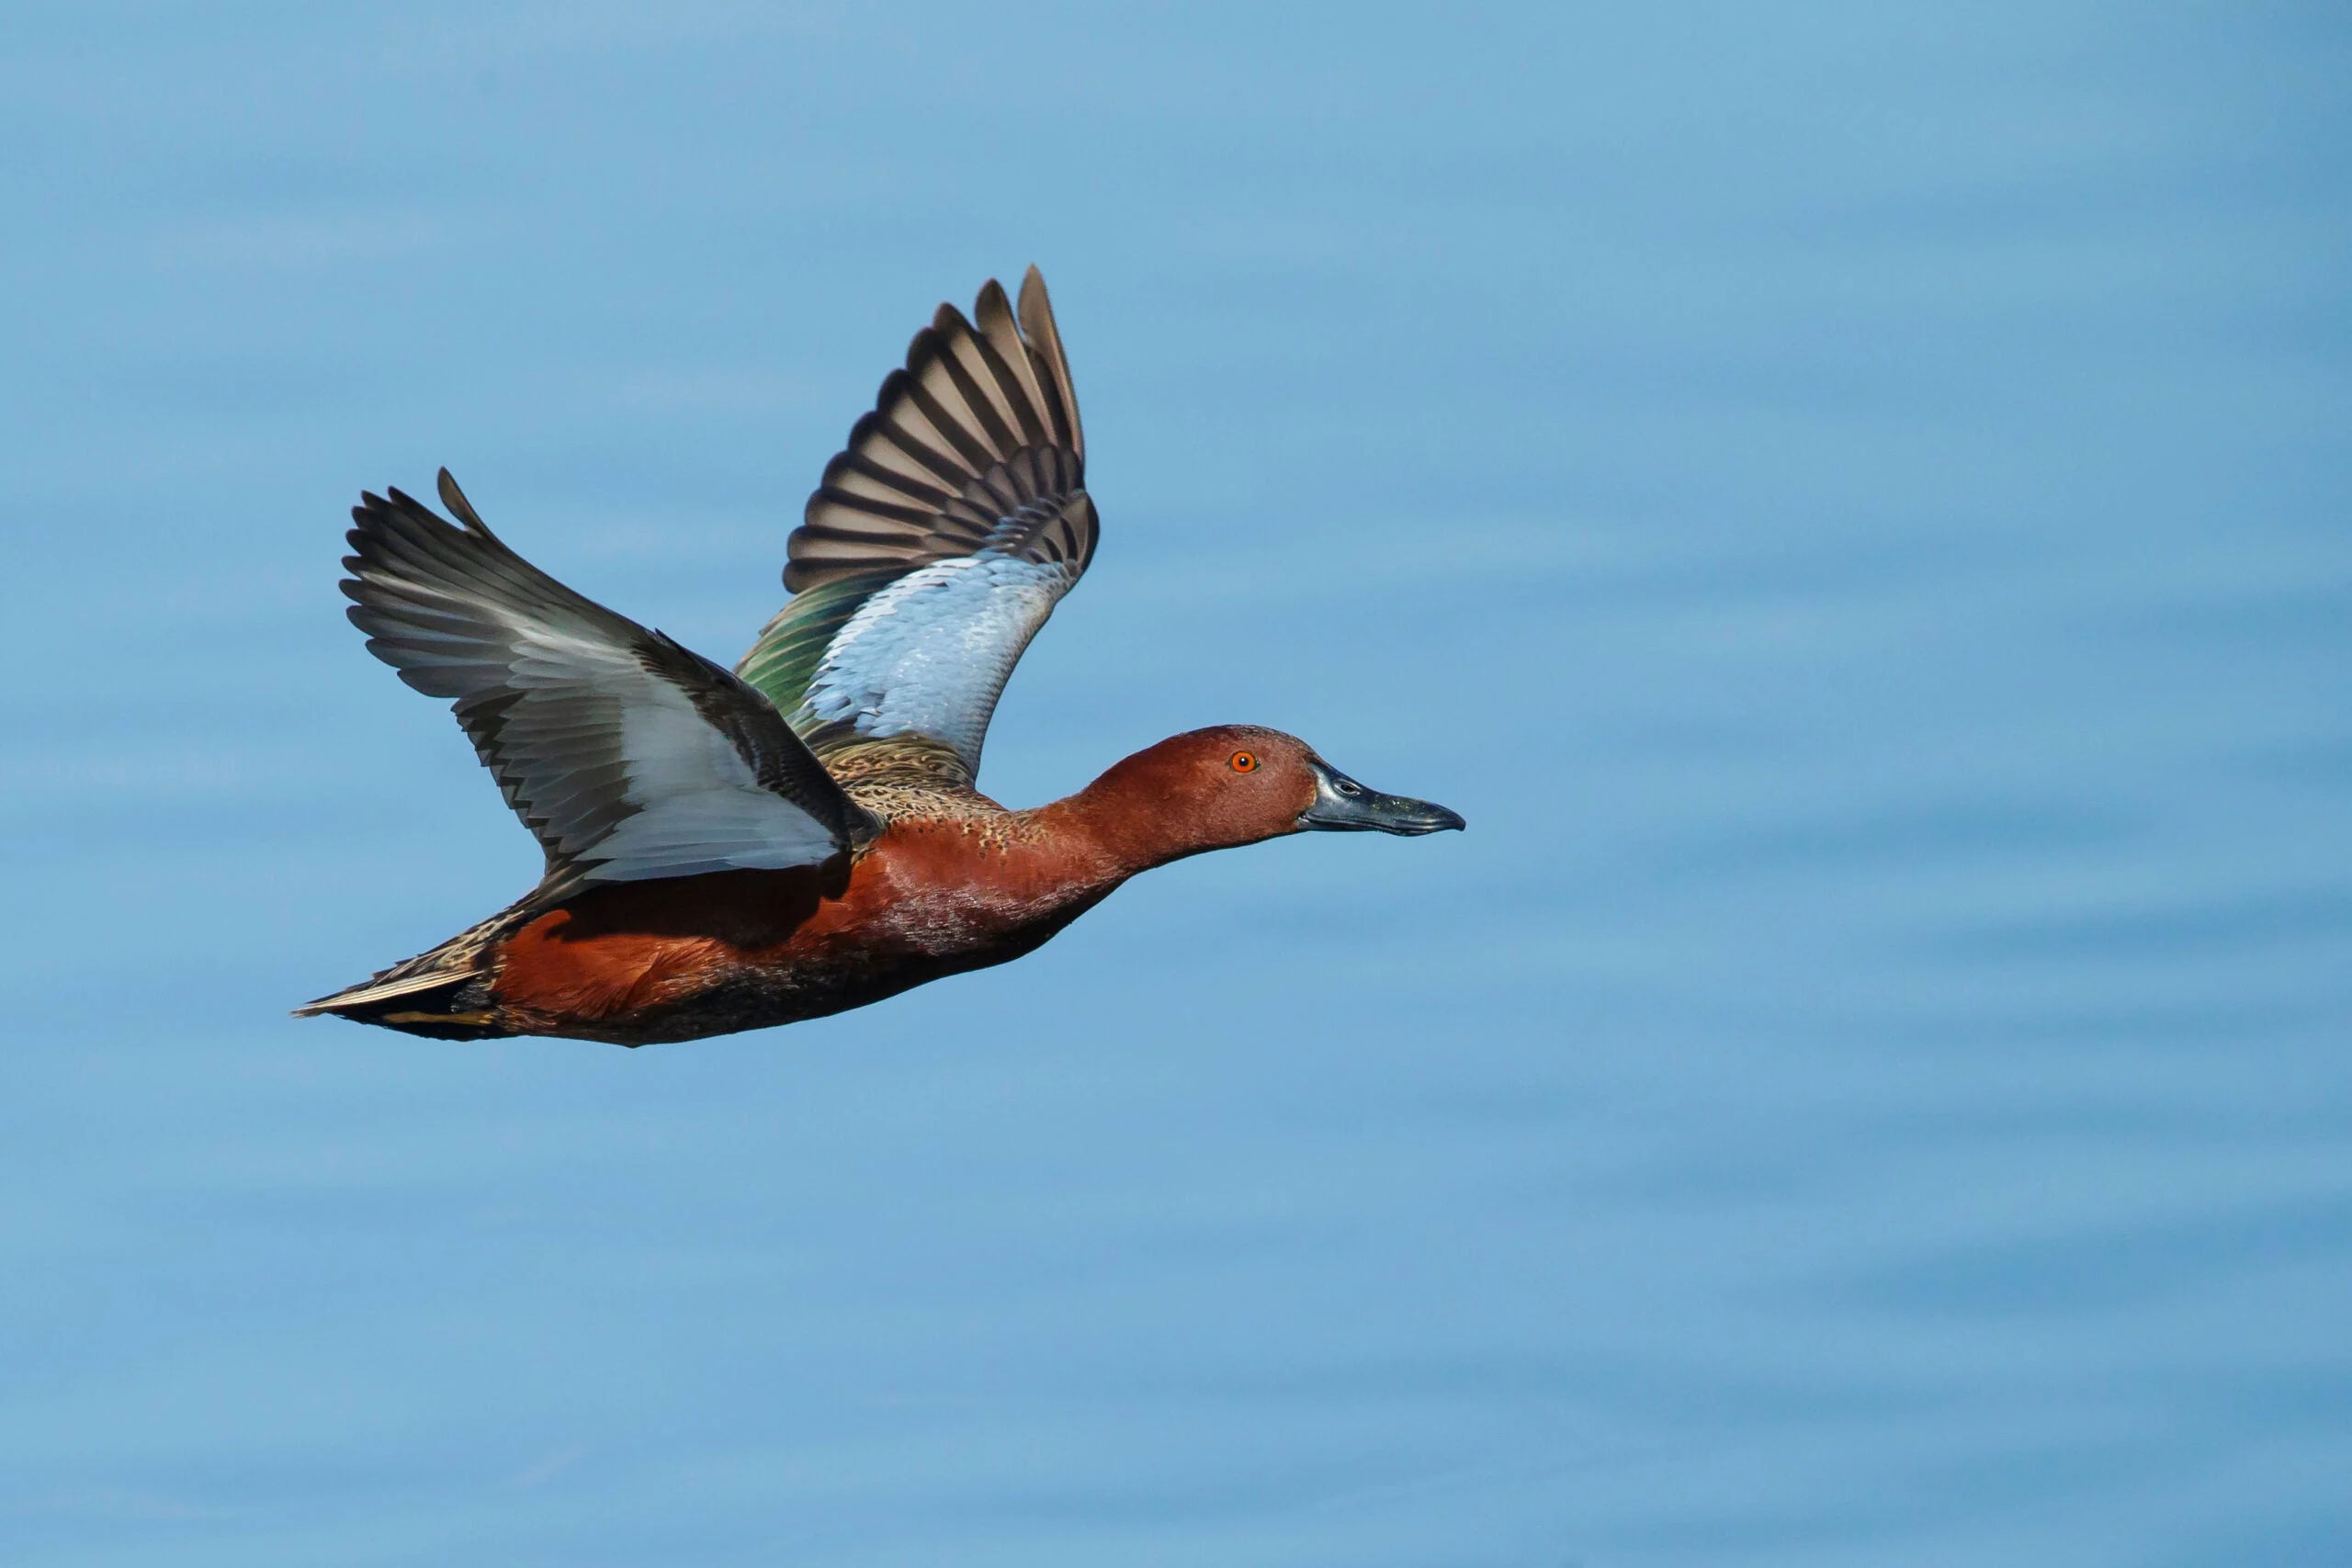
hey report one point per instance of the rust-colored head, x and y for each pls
(1236, 784)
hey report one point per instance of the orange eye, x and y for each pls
(1243, 762)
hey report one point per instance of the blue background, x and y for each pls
(1850, 501)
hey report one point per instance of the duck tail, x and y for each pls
(444, 993)
(447, 1006)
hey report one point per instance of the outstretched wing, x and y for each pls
(628, 756)
(940, 540)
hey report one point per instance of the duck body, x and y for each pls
(682, 958)
(731, 850)
(952, 881)
(961, 885)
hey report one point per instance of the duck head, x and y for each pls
(1232, 784)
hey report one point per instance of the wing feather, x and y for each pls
(939, 539)
(627, 755)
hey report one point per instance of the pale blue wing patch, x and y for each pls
(930, 653)
(939, 539)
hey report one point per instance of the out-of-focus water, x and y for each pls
(1851, 503)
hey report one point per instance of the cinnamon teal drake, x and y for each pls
(803, 834)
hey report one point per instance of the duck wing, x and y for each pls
(941, 538)
(627, 755)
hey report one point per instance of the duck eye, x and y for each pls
(1243, 762)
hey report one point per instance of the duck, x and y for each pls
(734, 849)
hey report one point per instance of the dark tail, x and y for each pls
(455, 1007)
(445, 994)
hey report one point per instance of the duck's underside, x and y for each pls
(468, 1008)
(640, 964)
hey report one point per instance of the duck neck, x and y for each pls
(1123, 823)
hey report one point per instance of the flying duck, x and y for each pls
(803, 834)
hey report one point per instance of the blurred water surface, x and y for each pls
(1850, 501)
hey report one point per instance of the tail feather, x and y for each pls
(445, 994)
(453, 1006)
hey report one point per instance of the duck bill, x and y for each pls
(1343, 806)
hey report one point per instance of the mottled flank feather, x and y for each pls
(909, 779)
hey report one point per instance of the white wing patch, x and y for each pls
(699, 807)
(930, 653)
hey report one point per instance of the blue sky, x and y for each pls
(1849, 502)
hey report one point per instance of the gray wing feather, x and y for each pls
(627, 755)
